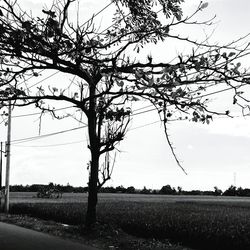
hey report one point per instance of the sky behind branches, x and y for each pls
(211, 154)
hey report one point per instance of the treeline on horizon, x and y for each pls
(167, 189)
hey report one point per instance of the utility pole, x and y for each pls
(1, 168)
(7, 180)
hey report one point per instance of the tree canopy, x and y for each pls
(109, 73)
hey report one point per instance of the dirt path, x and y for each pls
(13, 237)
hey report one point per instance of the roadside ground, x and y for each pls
(102, 237)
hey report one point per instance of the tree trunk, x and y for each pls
(94, 145)
(92, 196)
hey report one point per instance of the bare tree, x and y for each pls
(109, 77)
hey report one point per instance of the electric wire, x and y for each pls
(138, 109)
(102, 32)
(145, 125)
(38, 113)
(64, 131)
(134, 114)
(21, 140)
(138, 113)
(50, 145)
(81, 141)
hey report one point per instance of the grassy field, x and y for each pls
(202, 222)
(30, 197)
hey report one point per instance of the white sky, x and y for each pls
(211, 154)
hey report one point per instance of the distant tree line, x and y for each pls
(234, 191)
(167, 190)
(37, 187)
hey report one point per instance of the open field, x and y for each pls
(30, 197)
(202, 222)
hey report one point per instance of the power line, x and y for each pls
(24, 140)
(21, 140)
(38, 113)
(50, 145)
(212, 93)
(138, 113)
(197, 97)
(145, 125)
(28, 139)
(148, 106)
(46, 78)
(142, 112)
(58, 71)
(102, 32)
(75, 142)
(64, 131)
(218, 91)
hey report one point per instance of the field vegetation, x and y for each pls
(166, 189)
(201, 222)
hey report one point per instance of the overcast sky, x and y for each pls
(212, 155)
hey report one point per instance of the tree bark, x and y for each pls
(94, 145)
(92, 195)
